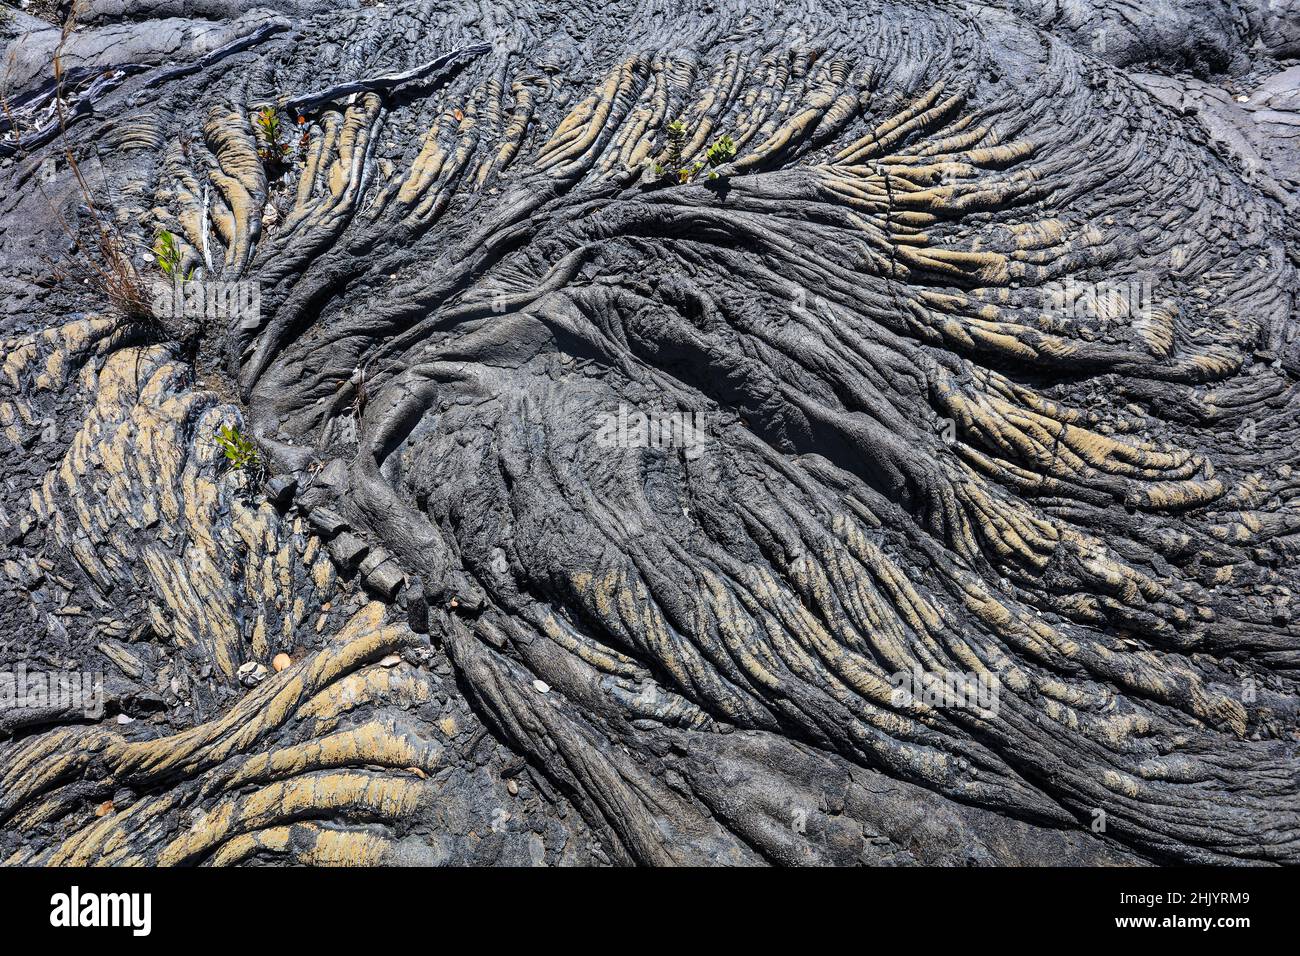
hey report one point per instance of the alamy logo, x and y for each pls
(206, 299)
(1104, 302)
(685, 430)
(943, 688)
(21, 689)
(73, 909)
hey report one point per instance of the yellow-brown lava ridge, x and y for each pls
(749, 432)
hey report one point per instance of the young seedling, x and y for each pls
(671, 163)
(721, 152)
(240, 451)
(676, 143)
(271, 148)
(167, 252)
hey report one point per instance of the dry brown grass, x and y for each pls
(101, 255)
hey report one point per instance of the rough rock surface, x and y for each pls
(605, 504)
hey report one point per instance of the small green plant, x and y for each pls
(167, 251)
(671, 163)
(676, 143)
(722, 151)
(271, 148)
(239, 450)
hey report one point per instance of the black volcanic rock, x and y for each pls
(825, 433)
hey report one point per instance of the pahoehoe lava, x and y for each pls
(531, 616)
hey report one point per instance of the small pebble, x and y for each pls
(281, 661)
(251, 673)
